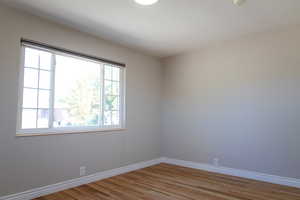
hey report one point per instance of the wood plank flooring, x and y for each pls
(169, 182)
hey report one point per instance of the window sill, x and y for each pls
(64, 132)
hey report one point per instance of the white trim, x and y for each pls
(87, 131)
(20, 87)
(64, 130)
(34, 193)
(52, 91)
(293, 182)
(38, 192)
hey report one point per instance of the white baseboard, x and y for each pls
(236, 172)
(34, 193)
(38, 192)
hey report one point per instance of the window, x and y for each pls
(64, 92)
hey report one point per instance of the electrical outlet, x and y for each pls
(82, 171)
(216, 162)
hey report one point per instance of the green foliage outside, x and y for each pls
(83, 103)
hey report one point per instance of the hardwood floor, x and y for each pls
(169, 182)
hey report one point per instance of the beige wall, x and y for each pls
(238, 101)
(27, 163)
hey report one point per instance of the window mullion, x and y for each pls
(52, 91)
(38, 92)
(21, 88)
(102, 95)
(122, 98)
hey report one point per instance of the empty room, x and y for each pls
(149, 100)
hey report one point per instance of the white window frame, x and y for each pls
(66, 130)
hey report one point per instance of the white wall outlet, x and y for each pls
(82, 171)
(216, 162)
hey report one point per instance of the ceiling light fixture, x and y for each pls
(238, 2)
(146, 2)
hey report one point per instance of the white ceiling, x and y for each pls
(169, 27)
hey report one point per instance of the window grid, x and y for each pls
(114, 108)
(37, 108)
(110, 81)
(37, 68)
(102, 96)
(38, 92)
(33, 88)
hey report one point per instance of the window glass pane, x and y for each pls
(43, 118)
(31, 78)
(29, 98)
(108, 87)
(107, 72)
(44, 98)
(31, 58)
(115, 88)
(115, 103)
(61, 118)
(115, 73)
(78, 100)
(45, 60)
(28, 118)
(77, 92)
(111, 103)
(115, 118)
(107, 118)
(44, 79)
